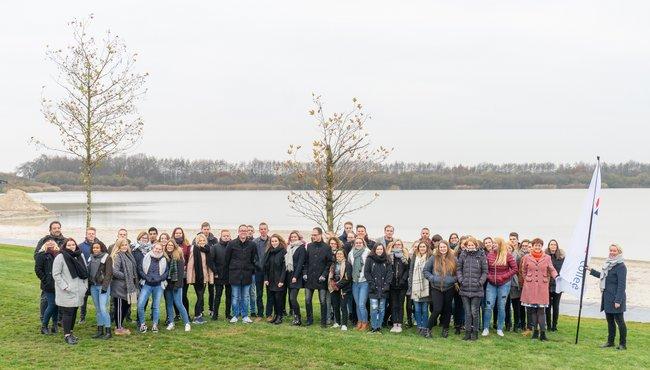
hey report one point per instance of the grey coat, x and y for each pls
(124, 268)
(471, 272)
(68, 292)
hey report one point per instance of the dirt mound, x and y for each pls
(16, 203)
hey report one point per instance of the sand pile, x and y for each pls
(16, 203)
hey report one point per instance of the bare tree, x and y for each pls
(342, 163)
(96, 115)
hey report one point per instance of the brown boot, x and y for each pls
(358, 327)
(364, 326)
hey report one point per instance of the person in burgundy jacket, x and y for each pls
(501, 268)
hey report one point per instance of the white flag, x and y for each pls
(570, 279)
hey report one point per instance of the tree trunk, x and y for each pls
(87, 182)
(329, 192)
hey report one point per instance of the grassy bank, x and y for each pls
(260, 345)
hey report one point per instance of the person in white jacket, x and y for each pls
(71, 282)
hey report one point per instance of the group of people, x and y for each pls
(479, 284)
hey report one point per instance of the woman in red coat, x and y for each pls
(535, 269)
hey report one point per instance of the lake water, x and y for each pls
(532, 213)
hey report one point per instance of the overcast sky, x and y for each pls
(453, 81)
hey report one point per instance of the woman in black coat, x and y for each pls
(275, 272)
(43, 270)
(612, 284)
(294, 261)
(340, 287)
(557, 258)
(220, 269)
(378, 273)
(399, 284)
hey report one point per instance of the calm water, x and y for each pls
(543, 213)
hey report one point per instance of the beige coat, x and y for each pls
(207, 273)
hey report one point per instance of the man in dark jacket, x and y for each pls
(261, 243)
(220, 269)
(241, 259)
(347, 229)
(315, 273)
(55, 233)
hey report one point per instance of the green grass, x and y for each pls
(260, 345)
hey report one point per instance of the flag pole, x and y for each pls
(584, 265)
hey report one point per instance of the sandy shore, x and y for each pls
(25, 232)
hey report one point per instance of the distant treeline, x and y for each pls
(146, 172)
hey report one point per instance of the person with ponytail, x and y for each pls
(70, 275)
(199, 274)
(43, 269)
(174, 289)
(501, 268)
(294, 261)
(536, 267)
(440, 271)
(613, 276)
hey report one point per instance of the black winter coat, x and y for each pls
(241, 258)
(614, 289)
(378, 273)
(317, 265)
(557, 263)
(43, 270)
(342, 283)
(275, 270)
(299, 256)
(218, 262)
(400, 278)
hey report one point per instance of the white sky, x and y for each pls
(453, 81)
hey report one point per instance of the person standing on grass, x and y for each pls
(379, 274)
(363, 233)
(515, 291)
(86, 250)
(335, 244)
(121, 234)
(154, 271)
(399, 284)
(294, 261)
(55, 233)
(440, 272)
(124, 285)
(348, 226)
(71, 283)
(340, 286)
(501, 268)
(613, 276)
(389, 233)
(153, 235)
(257, 293)
(218, 256)
(163, 238)
(43, 269)
(100, 275)
(275, 274)
(174, 289)
(179, 237)
(536, 268)
(357, 258)
(199, 274)
(419, 290)
(525, 314)
(471, 273)
(212, 241)
(315, 271)
(557, 258)
(241, 259)
(139, 249)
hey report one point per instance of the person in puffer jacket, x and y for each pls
(399, 258)
(440, 271)
(379, 274)
(501, 268)
(471, 273)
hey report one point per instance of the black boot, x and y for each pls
(297, 321)
(107, 334)
(474, 335)
(621, 347)
(427, 333)
(542, 336)
(45, 330)
(278, 320)
(310, 321)
(535, 334)
(457, 330)
(468, 335)
(607, 345)
(69, 339)
(54, 329)
(445, 333)
(100, 332)
(215, 316)
(409, 322)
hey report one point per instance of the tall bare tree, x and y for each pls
(341, 165)
(96, 114)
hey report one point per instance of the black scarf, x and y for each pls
(198, 262)
(75, 262)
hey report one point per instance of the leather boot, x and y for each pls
(107, 334)
(100, 332)
(542, 336)
(535, 334)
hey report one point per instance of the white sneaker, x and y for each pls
(394, 328)
(170, 326)
(398, 329)
(486, 332)
(247, 320)
(188, 327)
(344, 328)
(500, 333)
(234, 320)
(336, 325)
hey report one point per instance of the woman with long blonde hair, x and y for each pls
(501, 268)
(174, 289)
(419, 287)
(440, 271)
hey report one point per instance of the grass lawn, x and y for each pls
(261, 345)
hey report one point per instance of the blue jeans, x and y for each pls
(51, 311)
(145, 292)
(497, 294)
(421, 314)
(377, 311)
(253, 297)
(360, 294)
(100, 300)
(174, 297)
(241, 297)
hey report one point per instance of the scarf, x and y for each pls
(288, 258)
(357, 253)
(198, 262)
(419, 288)
(607, 267)
(173, 270)
(144, 248)
(130, 275)
(76, 264)
(537, 255)
(399, 254)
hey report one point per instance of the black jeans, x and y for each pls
(554, 306)
(84, 306)
(538, 318)
(397, 297)
(340, 306)
(69, 315)
(186, 301)
(276, 297)
(120, 309)
(516, 314)
(218, 292)
(211, 297)
(471, 306)
(614, 319)
(441, 306)
(410, 308)
(270, 302)
(259, 290)
(293, 301)
(459, 311)
(199, 289)
(322, 298)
